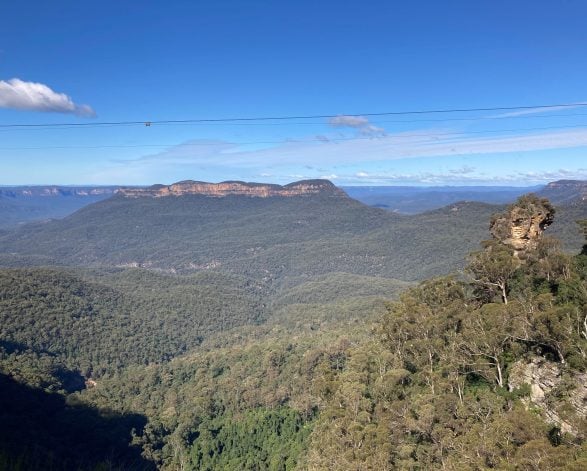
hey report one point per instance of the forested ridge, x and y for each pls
(268, 239)
(482, 369)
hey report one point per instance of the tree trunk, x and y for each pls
(504, 296)
(499, 374)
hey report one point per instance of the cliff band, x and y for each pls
(259, 190)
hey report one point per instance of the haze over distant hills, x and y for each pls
(572, 192)
(194, 303)
(413, 200)
(21, 204)
(306, 228)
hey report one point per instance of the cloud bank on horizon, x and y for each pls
(331, 151)
(32, 96)
(422, 157)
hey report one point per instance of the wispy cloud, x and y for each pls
(452, 177)
(464, 170)
(530, 111)
(360, 123)
(20, 95)
(313, 158)
(353, 151)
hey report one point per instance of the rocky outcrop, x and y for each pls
(259, 190)
(544, 377)
(523, 223)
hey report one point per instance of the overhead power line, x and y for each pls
(147, 122)
(401, 139)
(302, 123)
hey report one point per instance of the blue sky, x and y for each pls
(112, 61)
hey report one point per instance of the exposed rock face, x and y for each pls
(544, 377)
(523, 223)
(259, 190)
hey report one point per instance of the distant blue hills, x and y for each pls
(22, 204)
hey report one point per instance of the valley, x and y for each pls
(293, 236)
(196, 316)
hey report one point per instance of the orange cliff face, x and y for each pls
(259, 190)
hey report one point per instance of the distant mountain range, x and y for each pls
(568, 192)
(413, 200)
(21, 204)
(301, 230)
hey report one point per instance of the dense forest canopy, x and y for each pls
(485, 368)
(269, 239)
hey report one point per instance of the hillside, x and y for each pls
(98, 321)
(448, 377)
(268, 238)
(185, 365)
(566, 192)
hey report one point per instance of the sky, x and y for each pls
(68, 67)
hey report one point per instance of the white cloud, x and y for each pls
(372, 131)
(354, 151)
(20, 95)
(344, 121)
(451, 178)
(360, 123)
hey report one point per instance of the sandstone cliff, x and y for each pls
(259, 190)
(523, 223)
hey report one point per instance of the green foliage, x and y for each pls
(268, 239)
(103, 321)
(336, 287)
(268, 360)
(261, 439)
(435, 391)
